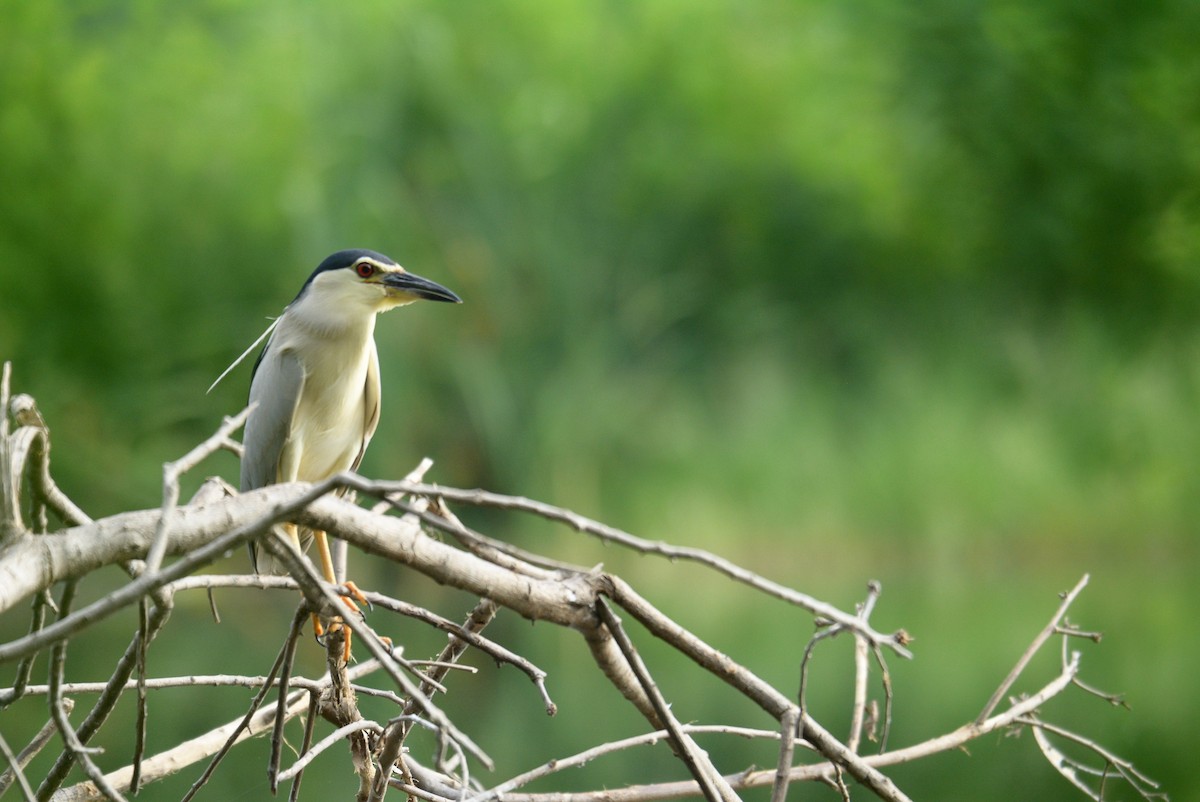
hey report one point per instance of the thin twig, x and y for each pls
(14, 771)
(32, 749)
(37, 620)
(806, 660)
(787, 748)
(33, 440)
(209, 743)
(1041, 638)
(310, 725)
(215, 581)
(504, 555)
(603, 531)
(885, 679)
(751, 686)
(285, 675)
(245, 722)
(415, 475)
(838, 782)
(35, 746)
(1114, 699)
(80, 752)
(494, 550)
(110, 692)
(139, 748)
(171, 473)
(504, 790)
(326, 742)
(201, 680)
(460, 783)
(1067, 629)
(391, 745)
(10, 523)
(862, 668)
(1062, 763)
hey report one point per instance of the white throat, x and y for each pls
(335, 306)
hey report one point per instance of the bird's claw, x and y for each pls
(352, 598)
(321, 633)
(352, 592)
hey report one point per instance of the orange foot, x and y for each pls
(352, 598)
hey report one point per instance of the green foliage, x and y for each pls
(844, 291)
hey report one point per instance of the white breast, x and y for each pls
(331, 417)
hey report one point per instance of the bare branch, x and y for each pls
(757, 779)
(885, 679)
(488, 647)
(1068, 767)
(714, 786)
(15, 771)
(788, 724)
(1114, 699)
(285, 675)
(763, 694)
(505, 789)
(611, 534)
(10, 521)
(412, 526)
(310, 726)
(862, 668)
(32, 440)
(25, 668)
(109, 695)
(325, 743)
(75, 746)
(1041, 638)
(171, 473)
(18, 762)
(208, 744)
(244, 724)
(301, 569)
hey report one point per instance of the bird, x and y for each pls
(315, 390)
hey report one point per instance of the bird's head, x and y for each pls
(362, 281)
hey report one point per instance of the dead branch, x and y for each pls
(410, 524)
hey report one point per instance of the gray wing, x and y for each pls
(276, 387)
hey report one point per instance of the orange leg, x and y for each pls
(327, 569)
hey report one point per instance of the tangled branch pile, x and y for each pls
(411, 523)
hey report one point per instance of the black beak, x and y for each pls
(420, 287)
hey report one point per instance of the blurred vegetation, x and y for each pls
(843, 291)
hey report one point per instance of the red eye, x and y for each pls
(364, 269)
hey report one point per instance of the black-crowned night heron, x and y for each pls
(316, 386)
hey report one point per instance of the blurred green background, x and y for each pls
(843, 291)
